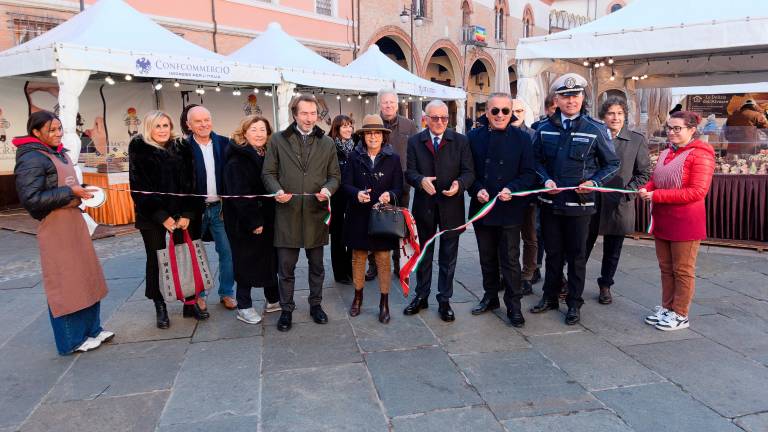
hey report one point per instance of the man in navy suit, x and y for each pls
(210, 152)
(503, 156)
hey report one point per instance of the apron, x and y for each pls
(72, 276)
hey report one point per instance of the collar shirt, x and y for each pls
(210, 172)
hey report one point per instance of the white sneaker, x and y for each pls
(248, 316)
(105, 336)
(89, 345)
(272, 307)
(658, 314)
(673, 321)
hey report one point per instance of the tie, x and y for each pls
(437, 143)
(567, 123)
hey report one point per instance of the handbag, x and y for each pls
(386, 221)
(184, 271)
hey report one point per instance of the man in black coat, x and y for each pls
(440, 169)
(503, 156)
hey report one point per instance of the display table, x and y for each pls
(736, 206)
(118, 210)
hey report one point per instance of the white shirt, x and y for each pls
(210, 171)
(563, 117)
(433, 136)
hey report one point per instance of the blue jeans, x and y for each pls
(69, 331)
(212, 220)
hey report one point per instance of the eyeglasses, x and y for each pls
(438, 119)
(495, 111)
(675, 129)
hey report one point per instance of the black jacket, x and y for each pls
(253, 255)
(571, 157)
(154, 169)
(36, 178)
(452, 162)
(503, 159)
(383, 175)
(220, 145)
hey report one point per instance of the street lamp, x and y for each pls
(414, 15)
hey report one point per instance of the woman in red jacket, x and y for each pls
(677, 189)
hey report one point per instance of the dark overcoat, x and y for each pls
(453, 161)
(384, 174)
(253, 255)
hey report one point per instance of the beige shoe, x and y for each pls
(228, 302)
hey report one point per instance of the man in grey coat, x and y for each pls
(302, 169)
(615, 215)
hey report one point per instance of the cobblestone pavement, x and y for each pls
(610, 373)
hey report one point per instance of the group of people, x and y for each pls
(177, 183)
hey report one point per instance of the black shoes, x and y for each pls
(284, 322)
(445, 311)
(318, 315)
(605, 296)
(384, 309)
(515, 317)
(544, 305)
(488, 303)
(527, 287)
(417, 304)
(194, 311)
(536, 277)
(372, 272)
(344, 280)
(162, 315)
(573, 316)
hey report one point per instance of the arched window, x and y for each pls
(615, 7)
(499, 24)
(466, 13)
(528, 22)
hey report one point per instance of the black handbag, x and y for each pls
(386, 221)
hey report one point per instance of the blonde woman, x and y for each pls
(160, 161)
(250, 222)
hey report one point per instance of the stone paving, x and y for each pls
(610, 373)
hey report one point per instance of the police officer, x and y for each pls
(570, 149)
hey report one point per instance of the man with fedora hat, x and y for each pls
(440, 169)
(571, 149)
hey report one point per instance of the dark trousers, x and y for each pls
(449, 250)
(565, 240)
(243, 294)
(341, 256)
(154, 240)
(499, 248)
(286, 267)
(611, 252)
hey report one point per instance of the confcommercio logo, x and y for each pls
(185, 70)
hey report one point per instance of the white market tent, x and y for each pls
(375, 63)
(670, 43)
(299, 65)
(112, 37)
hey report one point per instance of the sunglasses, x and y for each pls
(439, 119)
(505, 111)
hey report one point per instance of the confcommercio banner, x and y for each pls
(159, 67)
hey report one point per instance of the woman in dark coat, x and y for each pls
(615, 215)
(341, 256)
(373, 175)
(72, 276)
(250, 222)
(160, 161)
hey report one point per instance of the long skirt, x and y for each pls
(71, 330)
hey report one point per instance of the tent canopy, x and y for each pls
(675, 43)
(299, 64)
(112, 37)
(376, 64)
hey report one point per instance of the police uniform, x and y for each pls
(569, 151)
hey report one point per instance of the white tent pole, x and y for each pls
(273, 90)
(461, 115)
(71, 84)
(284, 95)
